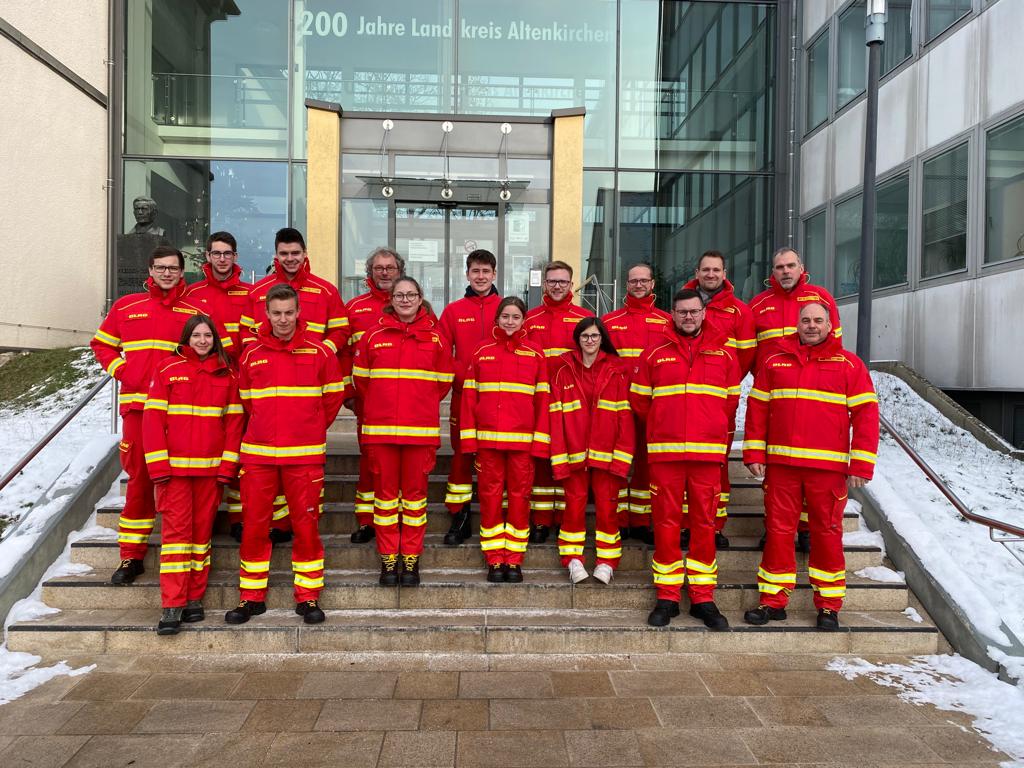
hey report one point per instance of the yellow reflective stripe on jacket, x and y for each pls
(776, 333)
(865, 456)
(116, 363)
(127, 398)
(686, 447)
(573, 405)
(613, 405)
(505, 386)
(193, 410)
(155, 404)
(542, 437)
(630, 352)
(639, 389)
(229, 456)
(182, 462)
(742, 343)
(618, 455)
(315, 327)
(861, 399)
(808, 453)
(265, 392)
(690, 389)
(754, 445)
(405, 373)
(154, 456)
(141, 344)
(556, 351)
(337, 322)
(759, 394)
(336, 386)
(106, 338)
(508, 437)
(283, 451)
(234, 408)
(817, 395)
(401, 431)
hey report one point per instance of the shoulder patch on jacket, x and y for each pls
(310, 289)
(525, 353)
(656, 320)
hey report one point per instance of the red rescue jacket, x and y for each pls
(730, 317)
(144, 328)
(802, 406)
(292, 391)
(504, 402)
(467, 323)
(600, 434)
(320, 306)
(223, 300)
(193, 420)
(550, 327)
(776, 312)
(635, 326)
(402, 371)
(687, 390)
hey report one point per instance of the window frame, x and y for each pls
(997, 121)
(968, 138)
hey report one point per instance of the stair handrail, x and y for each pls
(54, 431)
(998, 531)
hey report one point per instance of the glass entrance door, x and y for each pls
(435, 241)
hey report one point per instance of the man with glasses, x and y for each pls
(550, 327)
(383, 267)
(140, 331)
(686, 389)
(222, 291)
(632, 329)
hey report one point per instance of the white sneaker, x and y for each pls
(604, 573)
(577, 572)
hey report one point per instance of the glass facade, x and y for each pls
(944, 226)
(817, 82)
(942, 14)
(852, 55)
(1004, 192)
(815, 253)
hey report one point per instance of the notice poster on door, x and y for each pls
(423, 251)
(517, 225)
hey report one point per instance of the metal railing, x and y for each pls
(998, 531)
(54, 431)
(598, 296)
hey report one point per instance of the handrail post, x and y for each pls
(113, 406)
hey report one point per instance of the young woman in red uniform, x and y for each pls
(504, 420)
(191, 432)
(402, 369)
(592, 443)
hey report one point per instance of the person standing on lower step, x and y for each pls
(191, 432)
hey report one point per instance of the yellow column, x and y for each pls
(323, 187)
(567, 190)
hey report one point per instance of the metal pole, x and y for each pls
(875, 26)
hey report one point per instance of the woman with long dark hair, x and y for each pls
(592, 442)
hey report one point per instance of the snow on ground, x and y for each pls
(881, 573)
(953, 684)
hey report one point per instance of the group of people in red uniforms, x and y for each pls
(228, 389)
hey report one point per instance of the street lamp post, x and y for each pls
(874, 37)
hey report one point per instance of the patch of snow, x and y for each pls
(881, 573)
(864, 538)
(912, 614)
(953, 684)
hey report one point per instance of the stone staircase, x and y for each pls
(455, 609)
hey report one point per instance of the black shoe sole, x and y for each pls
(514, 577)
(389, 581)
(408, 583)
(191, 618)
(314, 618)
(759, 623)
(168, 629)
(233, 618)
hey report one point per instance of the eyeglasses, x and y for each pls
(389, 268)
(164, 268)
(220, 254)
(590, 337)
(688, 312)
(639, 281)
(559, 283)
(405, 296)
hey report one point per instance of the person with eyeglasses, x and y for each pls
(383, 267)
(137, 334)
(592, 445)
(631, 330)
(402, 370)
(686, 389)
(550, 326)
(222, 290)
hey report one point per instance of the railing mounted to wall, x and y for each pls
(600, 297)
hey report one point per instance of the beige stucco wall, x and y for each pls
(53, 151)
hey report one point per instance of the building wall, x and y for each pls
(53, 151)
(953, 328)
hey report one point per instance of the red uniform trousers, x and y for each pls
(547, 498)
(187, 507)
(303, 486)
(504, 533)
(233, 494)
(573, 533)
(460, 475)
(699, 481)
(400, 476)
(139, 513)
(722, 510)
(785, 490)
(635, 497)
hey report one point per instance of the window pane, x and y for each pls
(847, 266)
(814, 253)
(853, 73)
(206, 78)
(897, 48)
(692, 95)
(942, 14)
(817, 82)
(364, 226)
(1004, 192)
(598, 201)
(944, 229)
(892, 217)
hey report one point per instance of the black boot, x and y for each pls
(803, 541)
(710, 615)
(461, 528)
(684, 539)
(828, 620)
(389, 570)
(721, 542)
(497, 573)
(664, 611)
(277, 536)
(236, 532)
(539, 534)
(363, 534)
(170, 621)
(310, 612)
(514, 575)
(193, 611)
(763, 614)
(127, 571)
(244, 611)
(410, 571)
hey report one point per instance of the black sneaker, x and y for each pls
(410, 571)
(684, 539)
(710, 615)
(803, 541)
(721, 541)
(127, 571)
(514, 574)
(170, 621)
(828, 620)
(763, 614)
(664, 611)
(497, 573)
(539, 534)
(310, 612)
(388, 570)
(236, 532)
(277, 536)
(363, 534)
(193, 612)
(244, 611)
(461, 529)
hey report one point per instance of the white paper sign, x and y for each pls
(518, 227)
(535, 278)
(423, 250)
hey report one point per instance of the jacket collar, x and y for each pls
(156, 292)
(300, 277)
(515, 340)
(266, 335)
(605, 365)
(212, 363)
(232, 280)
(643, 305)
(422, 326)
(726, 291)
(471, 294)
(377, 293)
(557, 306)
(800, 283)
(830, 347)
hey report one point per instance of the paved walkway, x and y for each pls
(459, 710)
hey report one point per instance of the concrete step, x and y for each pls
(340, 553)
(487, 630)
(457, 589)
(339, 518)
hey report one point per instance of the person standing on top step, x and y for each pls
(504, 420)
(806, 401)
(467, 323)
(402, 369)
(292, 387)
(140, 330)
(731, 317)
(383, 267)
(775, 312)
(225, 298)
(550, 327)
(687, 390)
(592, 444)
(192, 429)
(631, 330)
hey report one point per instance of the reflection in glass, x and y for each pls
(364, 227)
(892, 206)
(1004, 192)
(847, 263)
(817, 82)
(898, 34)
(814, 250)
(527, 246)
(942, 14)
(598, 202)
(853, 62)
(944, 228)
